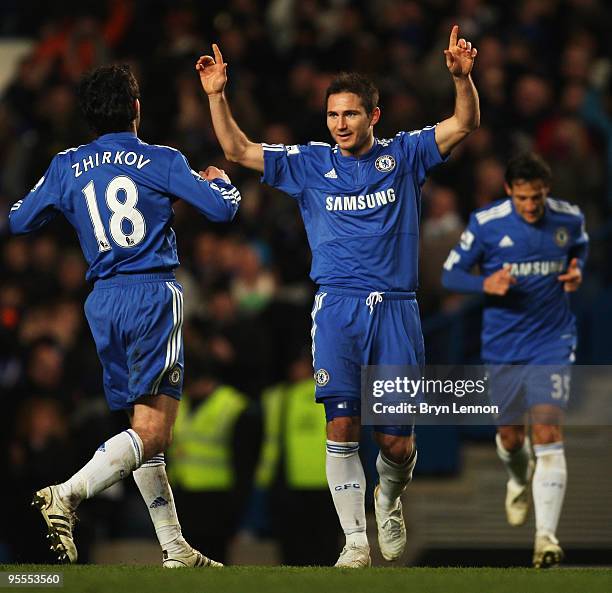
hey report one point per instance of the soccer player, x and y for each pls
(531, 249)
(118, 192)
(360, 202)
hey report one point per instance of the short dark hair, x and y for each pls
(353, 82)
(106, 98)
(528, 166)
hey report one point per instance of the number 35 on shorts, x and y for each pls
(560, 383)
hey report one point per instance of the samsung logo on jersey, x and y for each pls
(120, 157)
(364, 202)
(536, 268)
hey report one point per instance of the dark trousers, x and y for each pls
(307, 527)
(207, 520)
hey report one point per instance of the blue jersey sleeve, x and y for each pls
(580, 246)
(468, 252)
(284, 168)
(421, 150)
(40, 206)
(217, 200)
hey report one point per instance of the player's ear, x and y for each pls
(508, 189)
(136, 122)
(375, 116)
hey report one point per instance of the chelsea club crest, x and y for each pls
(385, 163)
(322, 377)
(561, 236)
(175, 375)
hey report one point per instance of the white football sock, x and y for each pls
(152, 482)
(347, 485)
(549, 482)
(394, 478)
(113, 461)
(516, 462)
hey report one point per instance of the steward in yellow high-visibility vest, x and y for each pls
(202, 464)
(293, 423)
(201, 455)
(291, 469)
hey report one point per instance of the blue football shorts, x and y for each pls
(136, 321)
(351, 329)
(518, 387)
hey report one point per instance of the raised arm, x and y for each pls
(234, 142)
(460, 57)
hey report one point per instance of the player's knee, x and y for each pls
(168, 436)
(344, 429)
(543, 434)
(511, 438)
(153, 441)
(397, 449)
(162, 440)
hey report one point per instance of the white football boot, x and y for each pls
(190, 558)
(391, 529)
(60, 523)
(354, 556)
(547, 552)
(518, 498)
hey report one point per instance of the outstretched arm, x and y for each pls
(234, 142)
(460, 57)
(210, 191)
(458, 279)
(467, 253)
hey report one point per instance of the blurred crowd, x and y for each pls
(544, 75)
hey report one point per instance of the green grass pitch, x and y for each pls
(246, 579)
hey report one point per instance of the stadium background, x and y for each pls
(543, 73)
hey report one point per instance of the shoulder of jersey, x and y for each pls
(403, 133)
(385, 142)
(161, 148)
(320, 155)
(297, 148)
(320, 146)
(316, 152)
(563, 207)
(494, 211)
(68, 151)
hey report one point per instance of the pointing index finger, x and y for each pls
(452, 42)
(217, 52)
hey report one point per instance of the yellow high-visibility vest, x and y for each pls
(200, 455)
(303, 437)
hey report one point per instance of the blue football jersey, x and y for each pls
(534, 316)
(117, 193)
(361, 213)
